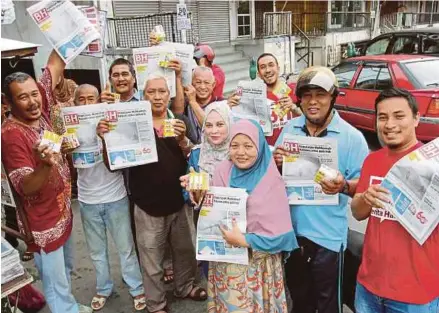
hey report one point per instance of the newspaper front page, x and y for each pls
(131, 140)
(99, 20)
(66, 28)
(82, 121)
(299, 169)
(147, 62)
(414, 186)
(184, 53)
(219, 207)
(253, 104)
(7, 195)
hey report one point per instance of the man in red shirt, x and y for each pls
(41, 179)
(204, 56)
(268, 71)
(397, 275)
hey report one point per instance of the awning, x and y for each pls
(15, 48)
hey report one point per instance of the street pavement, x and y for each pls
(84, 283)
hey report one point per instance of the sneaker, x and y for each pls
(85, 309)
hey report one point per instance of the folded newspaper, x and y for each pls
(220, 206)
(11, 265)
(66, 28)
(253, 104)
(299, 170)
(130, 142)
(99, 20)
(414, 186)
(7, 195)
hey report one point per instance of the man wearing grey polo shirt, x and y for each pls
(314, 271)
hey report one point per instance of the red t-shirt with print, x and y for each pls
(394, 265)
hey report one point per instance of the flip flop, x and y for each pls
(197, 295)
(139, 302)
(168, 277)
(98, 302)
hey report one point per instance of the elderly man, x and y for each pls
(41, 179)
(159, 213)
(104, 206)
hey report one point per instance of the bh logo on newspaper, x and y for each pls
(208, 200)
(41, 16)
(292, 147)
(111, 116)
(71, 119)
(141, 58)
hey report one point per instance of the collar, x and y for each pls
(333, 126)
(135, 97)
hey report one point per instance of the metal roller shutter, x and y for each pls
(132, 8)
(213, 21)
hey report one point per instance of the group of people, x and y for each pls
(149, 212)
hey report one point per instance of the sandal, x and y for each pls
(168, 277)
(196, 294)
(27, 256)
(98, 302)
(139, 302)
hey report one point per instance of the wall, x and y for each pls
(283, 47)
(332, 52)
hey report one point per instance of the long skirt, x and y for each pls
(255, 288)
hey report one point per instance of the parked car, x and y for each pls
(416, 41)
(361, 79)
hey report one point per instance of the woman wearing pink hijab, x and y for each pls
(258, 286)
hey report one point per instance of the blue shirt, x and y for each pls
(326, 225)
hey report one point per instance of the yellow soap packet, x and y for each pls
(282, 90)
(168, 128)
(198, 181)
(279, 111)
(325, 172)
(116, 97)
(70, 140)
(53, 140)
(165, 58)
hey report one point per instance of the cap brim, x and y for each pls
(198, 54)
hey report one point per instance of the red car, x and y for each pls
(362, 78)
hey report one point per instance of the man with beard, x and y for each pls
(160, 214)
(41, 179)
(314, 271)
(410, 284)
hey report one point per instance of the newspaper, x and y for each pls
(146, 62)
(414, 186)
(7, 195)
(131, 140)
(99, 20)
(65, 27)
(253, 104)
(299, 170)
(184, 53)
(82, 121)
(8, 12)
(219, 207)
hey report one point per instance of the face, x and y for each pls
(157, 92)
(396, 124)
(215, 128)
(243, 152)
(204, 83)
(86, 95)
(122, 79)
(315, 105)
(268, 70)
(26, 99)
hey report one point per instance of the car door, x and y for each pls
(345, 73)
(373, 77)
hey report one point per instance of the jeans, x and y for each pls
(367, 302)
(114, 217)
(55, 268)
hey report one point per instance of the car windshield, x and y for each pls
(425, 72)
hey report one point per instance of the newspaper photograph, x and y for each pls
(66, 28)
(414, 186)
(131, 140)
(7, 195)
(253, 104)
(148, 61)
(299, 170)
(184, 53)
(220, 206)
(99, 20)
(81, 121)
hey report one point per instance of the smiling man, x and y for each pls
(410, 284)
(314, 271)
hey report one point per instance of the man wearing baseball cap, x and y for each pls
(314, 271)
(204, 56)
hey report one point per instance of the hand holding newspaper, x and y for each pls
(221, 205)
(66, 28)
(300, 169)
(413, 183)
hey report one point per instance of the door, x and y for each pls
(244, 19)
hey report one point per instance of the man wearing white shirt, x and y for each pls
(104, 206)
